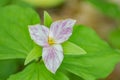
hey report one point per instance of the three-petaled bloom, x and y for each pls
(50, 40)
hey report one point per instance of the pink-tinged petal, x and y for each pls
(52, 57)
(39, 34)
(60, 31)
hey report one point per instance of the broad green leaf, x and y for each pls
(34, 54)
(37, 71)
(99, 61)
(70, 48)
(108, 8)
(47, 19)
(114, 38)
(15, 41)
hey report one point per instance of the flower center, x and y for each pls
(51, 41)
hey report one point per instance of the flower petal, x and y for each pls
(52, 57)
(60, 31)
(39, 34)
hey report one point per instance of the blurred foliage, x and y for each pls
(15, 2)
(108, 8)
(34, 3)
(3, 2)
(45, 3)
(112, 10)
(114, 38)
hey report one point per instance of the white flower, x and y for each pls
(51, 39)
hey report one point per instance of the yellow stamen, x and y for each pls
(51, 41)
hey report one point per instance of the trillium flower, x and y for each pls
(51, 39)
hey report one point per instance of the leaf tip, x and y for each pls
(26, 62)
(47, 19)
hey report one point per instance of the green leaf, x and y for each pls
(73, 76)
(3, 2)
(15, 41)
(108, 8)
(35, 53)
(37, 71)
(114, 38)
(47, 19)
(72, 49)
(8, 67)
(99, 61)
